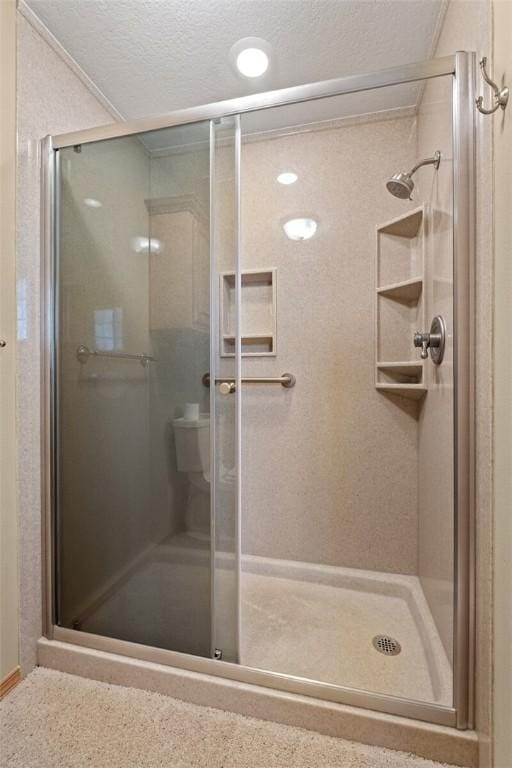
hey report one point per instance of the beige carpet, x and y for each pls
(54, 720)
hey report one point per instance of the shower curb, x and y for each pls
(433, 742)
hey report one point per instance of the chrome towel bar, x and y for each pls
(287, 380)
(83, 353)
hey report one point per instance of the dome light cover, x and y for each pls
(300, 229)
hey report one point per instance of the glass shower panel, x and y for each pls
(226, 393)
(347, 493)
(133, 476)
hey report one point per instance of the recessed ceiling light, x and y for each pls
(252, 62)
(91, 202)
(287, 178)
(300, 229)
(250, 57)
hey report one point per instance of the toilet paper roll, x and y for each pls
(191, 411)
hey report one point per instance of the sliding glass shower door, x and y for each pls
(145, 453)
(294, 269)
(348, 477)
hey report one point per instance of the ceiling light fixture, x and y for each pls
(252, 62)
(250, 57)
(300, 229)
(91, 202)
(287, 178)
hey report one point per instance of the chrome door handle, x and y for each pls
(227, 387)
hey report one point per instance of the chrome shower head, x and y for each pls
(401, 185)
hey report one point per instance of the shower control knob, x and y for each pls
(3, 343)
(227, 387)
(422, 340)
(435, 340)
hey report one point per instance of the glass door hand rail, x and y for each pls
(286, 380)
(83, 353)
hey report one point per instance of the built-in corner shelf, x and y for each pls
(401, 378)
(408, 225)
(400, 305)
(258, 313)
(403, 370)
(410, 391)
(407, 291)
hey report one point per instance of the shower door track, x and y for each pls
(462, 67)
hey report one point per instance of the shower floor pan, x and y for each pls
(301, 619)
(319, 622)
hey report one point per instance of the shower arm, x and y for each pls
(429, 161)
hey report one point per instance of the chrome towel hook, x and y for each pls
(500, 94)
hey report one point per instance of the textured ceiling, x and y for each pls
(153, 56)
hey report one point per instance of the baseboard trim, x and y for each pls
(9, 682)
(433, 742)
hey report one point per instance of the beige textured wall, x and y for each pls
(50, 99)
(502, 68)
(435, 434)
(330, 467)
(467, 26)
(8, 528)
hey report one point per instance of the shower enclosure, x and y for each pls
(258, 450)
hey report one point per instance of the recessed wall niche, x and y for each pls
(258, 313)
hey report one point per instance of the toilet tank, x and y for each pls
(192, 440)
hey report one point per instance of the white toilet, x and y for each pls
(192, 438)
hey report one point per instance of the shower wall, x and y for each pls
(330, 468)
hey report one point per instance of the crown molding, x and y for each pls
(36, 23)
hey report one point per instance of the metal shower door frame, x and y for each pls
(211, 376)
(462, 67)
